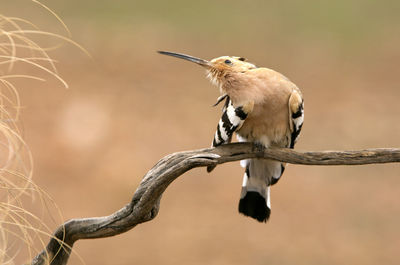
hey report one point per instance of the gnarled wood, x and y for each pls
(145, 203)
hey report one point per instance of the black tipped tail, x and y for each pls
(254, 206)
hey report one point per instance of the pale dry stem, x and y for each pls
(22, 231)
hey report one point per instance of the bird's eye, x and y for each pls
(242, 59)
(228, 61)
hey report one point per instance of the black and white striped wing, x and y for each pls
(297, 118)
(232, 119)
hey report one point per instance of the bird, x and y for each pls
(262, 106)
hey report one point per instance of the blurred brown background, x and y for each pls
(128, 106)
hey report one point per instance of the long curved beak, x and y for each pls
(199, 61)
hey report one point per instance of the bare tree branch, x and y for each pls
(145, 203)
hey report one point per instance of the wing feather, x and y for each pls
(296, 107)
(231, 120)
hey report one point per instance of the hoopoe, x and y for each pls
(262, 106)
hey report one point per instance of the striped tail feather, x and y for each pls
(255, 200)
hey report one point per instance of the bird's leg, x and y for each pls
(258, 147)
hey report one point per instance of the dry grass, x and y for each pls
(22, 231)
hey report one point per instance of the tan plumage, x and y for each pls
(268, 90)
(262, 106)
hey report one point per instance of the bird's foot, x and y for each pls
(258, 147)
(211, 168)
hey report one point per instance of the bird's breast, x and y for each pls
(267, 124)
(270, 91)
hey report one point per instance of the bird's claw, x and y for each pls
(258, 147)
(211, 168)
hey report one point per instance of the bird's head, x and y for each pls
(217, 68)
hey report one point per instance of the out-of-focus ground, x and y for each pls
(128, 106)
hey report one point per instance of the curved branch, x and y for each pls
(145, 203)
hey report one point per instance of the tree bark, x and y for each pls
(145, 203)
